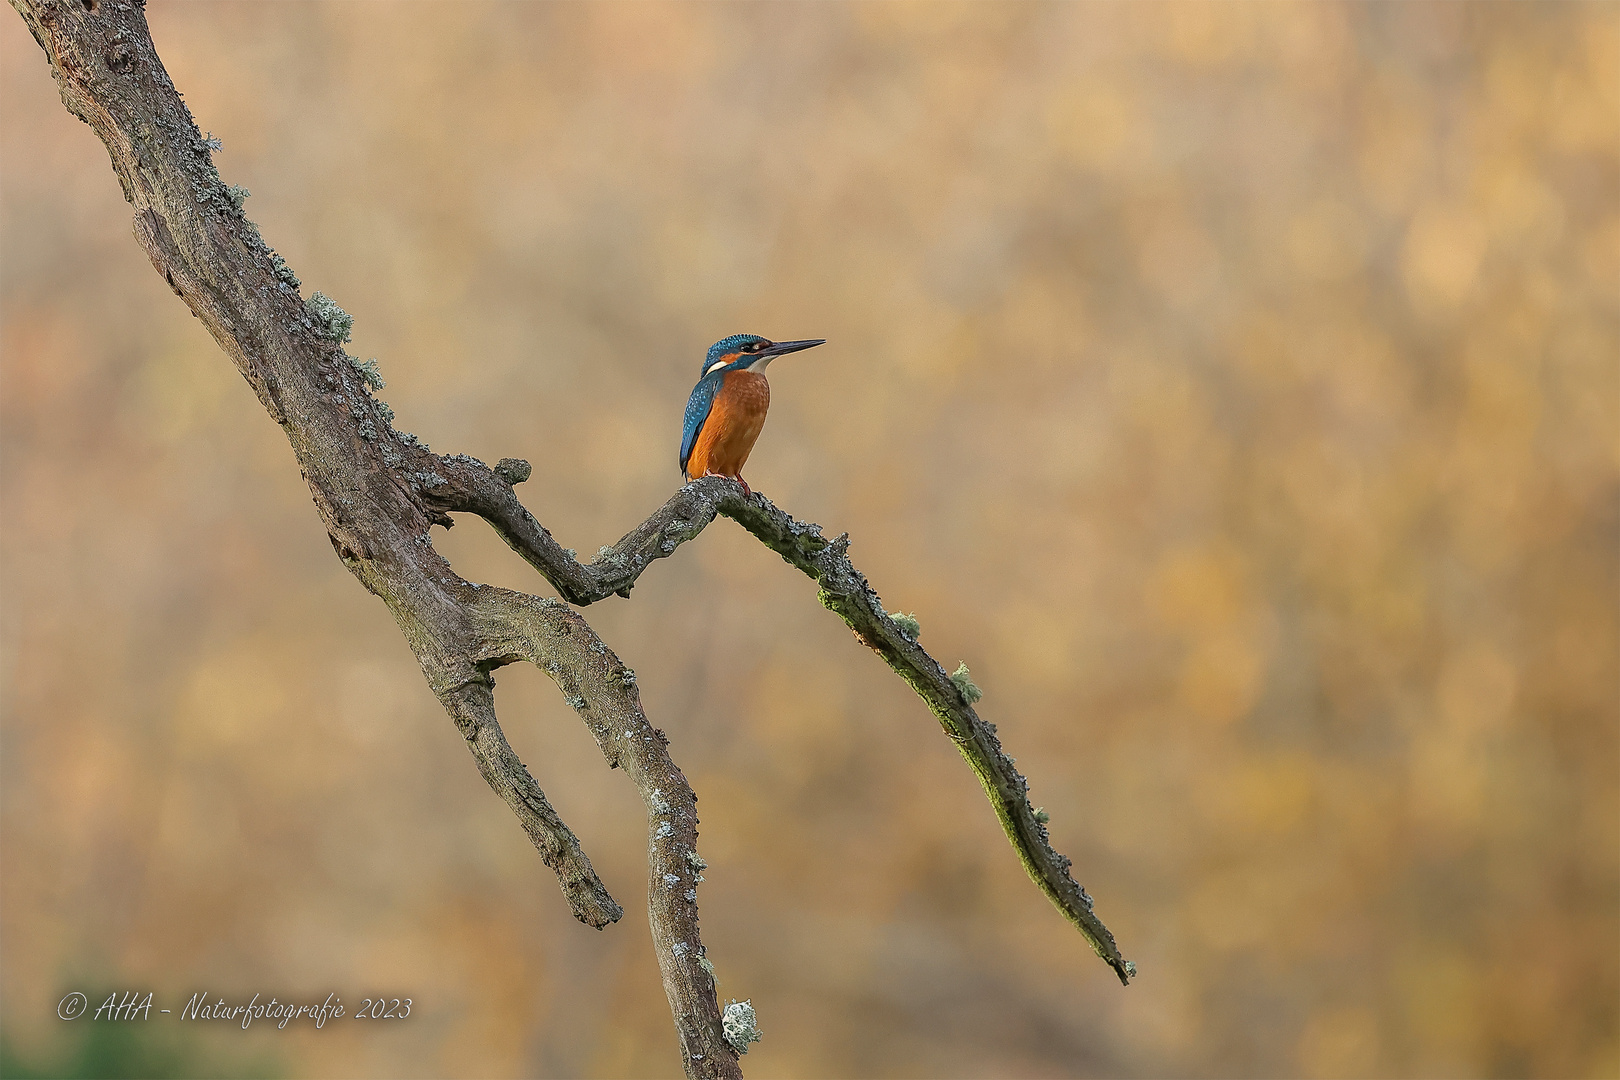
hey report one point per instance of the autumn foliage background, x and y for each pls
(1233, 387)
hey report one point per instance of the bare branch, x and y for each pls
(374, 488)
(474, 487)
(845, 591)
(556, 639)
(473, 709)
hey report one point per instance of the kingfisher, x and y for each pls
(726, 411)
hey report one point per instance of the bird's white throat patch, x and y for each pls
(758, 366)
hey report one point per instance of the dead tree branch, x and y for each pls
(557, 640)
(474, 487)
(472, 707)
(378, 491)
(373, 486)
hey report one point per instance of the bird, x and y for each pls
(726, 411)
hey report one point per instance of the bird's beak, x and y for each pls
(783, 347)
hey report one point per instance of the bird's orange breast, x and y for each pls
(735, 421)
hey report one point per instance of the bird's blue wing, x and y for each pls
(697, 411)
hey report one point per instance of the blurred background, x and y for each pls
(1234, 387)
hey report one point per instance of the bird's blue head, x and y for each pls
(742, 351)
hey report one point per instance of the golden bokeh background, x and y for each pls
(1233, 386)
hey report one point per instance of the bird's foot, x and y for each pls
(747, 491)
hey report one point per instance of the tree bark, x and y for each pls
(378, 491)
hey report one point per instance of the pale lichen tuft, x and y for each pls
(284, 273)
(368, 370)
(331, 322)
(739, 1026)
(965, 685)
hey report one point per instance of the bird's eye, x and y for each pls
(755, 346)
